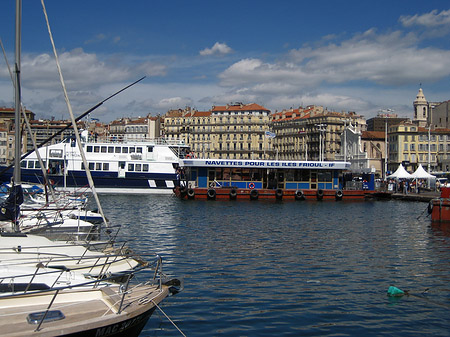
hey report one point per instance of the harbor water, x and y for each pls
(306, 268)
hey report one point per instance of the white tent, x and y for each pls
(420, 173)
(400, 173)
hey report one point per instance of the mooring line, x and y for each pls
(173, 323)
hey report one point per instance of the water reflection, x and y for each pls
(292, 268)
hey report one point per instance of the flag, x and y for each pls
(269, 134)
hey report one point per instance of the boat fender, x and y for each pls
(319, 194)
(254, 195)
(299, 195)
(191, 193)
(430, 207)
(182, 191)
(233, 194)
(339, 195)
(211, 194)
(279, 194)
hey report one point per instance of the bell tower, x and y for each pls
(421, 109)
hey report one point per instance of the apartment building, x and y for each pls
(232, 131)
(411, 145)
(311, 133)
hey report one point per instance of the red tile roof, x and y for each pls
(239, 107)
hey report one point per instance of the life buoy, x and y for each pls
(254, 195)
(191, 193)
(251, 186)
(339, 195)
(319, 194)
(279, 194)
(299, 195)
(211, 194)
(51, 181)
(233, 194)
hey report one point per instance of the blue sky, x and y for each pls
(360, 56)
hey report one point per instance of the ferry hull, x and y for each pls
(268, 194)
(104, 183)
(440, 210)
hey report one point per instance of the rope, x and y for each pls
(74, 123)
(173, 323)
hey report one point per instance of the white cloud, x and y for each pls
(217, 49)
(389, 59)
(431, 19)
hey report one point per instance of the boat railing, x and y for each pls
(88, 281)
(84, 284)
(119, 140)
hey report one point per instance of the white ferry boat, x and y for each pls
(138, 167)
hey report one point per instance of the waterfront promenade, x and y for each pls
(423, 196)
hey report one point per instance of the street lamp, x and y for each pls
(386, 115)
(322, 128)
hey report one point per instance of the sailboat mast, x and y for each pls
(18, 139)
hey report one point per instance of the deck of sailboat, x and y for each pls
(100, 317)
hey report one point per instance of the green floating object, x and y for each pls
(394, 291)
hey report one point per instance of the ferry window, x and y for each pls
(226, 174)
(236, 174)
(149, 148)
(132, 149)
(256, 175)
(117, 149)
(89, 148)
(324, 176)
(82, 166)
(138, 167)
(37, 165)
(103, 149)
(124, 150)
(105, 166)
(31, 164)
(130, 167)
(91, 166)
(110, 149)
(98, 166)
(289, 176)
(23, 164)
(145, 167)
(139, 149)
(96, 148)
(245, 174)
(219, 175)
(304, 175)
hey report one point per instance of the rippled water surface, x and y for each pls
(293, 268)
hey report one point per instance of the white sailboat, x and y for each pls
(62, 289)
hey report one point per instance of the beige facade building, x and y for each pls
(412, 145)
(234, 131)
(311, 133)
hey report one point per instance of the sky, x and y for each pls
(361, 56)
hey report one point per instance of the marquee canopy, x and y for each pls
(400, 173)
(420, 173)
